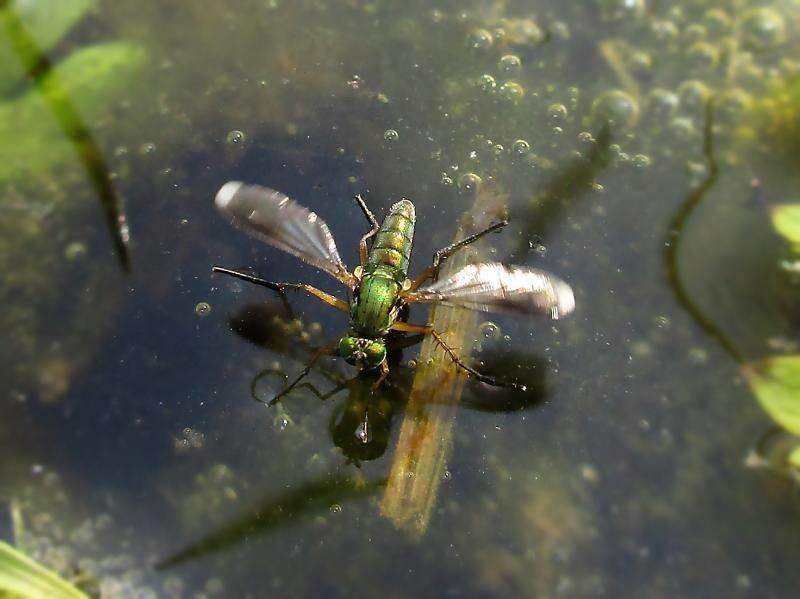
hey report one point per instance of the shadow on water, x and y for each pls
(272, 513)
(567, 187)
(39, 68)
(361, 424)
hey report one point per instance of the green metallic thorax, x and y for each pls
(374, 308)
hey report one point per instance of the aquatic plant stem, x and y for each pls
(675, 231)
(56, 96)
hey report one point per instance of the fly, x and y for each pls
(379, 286)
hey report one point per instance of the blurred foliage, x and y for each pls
(779, 113)
(776, 383)
(23, 578)
(93, 78)
(47, 21)
(786, 220)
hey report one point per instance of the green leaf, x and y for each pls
(47, 21)
(786, 220)
(22, 577)
(88, 82)
(776, 384)
(794, 458)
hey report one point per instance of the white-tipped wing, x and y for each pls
(279, 221)
(493, 287)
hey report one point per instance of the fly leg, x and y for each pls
(323, 396)
(322, 351)
(272, 371)
(429, 330)
(432, 272)
(282, 287)
(382, 377)
(362, 245)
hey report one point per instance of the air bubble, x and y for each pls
(762, 28)
(235, 137)
(717, 22)
(512, 91)
(75, 251)
(664, 30)
(662, 103)
(693, 95)
(390, 135)
(510, 65)
(486, 83)
(202, 309)
(616, 107)
(617, 10)
(521, 147)
(469, 183)
(662, 322)
(489, 331)
(481, 39)
(703, 56)
(557, 113)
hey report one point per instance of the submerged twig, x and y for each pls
(56, 96)
(426, 434)
(676, 228)
(271, 513)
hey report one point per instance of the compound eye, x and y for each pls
(347, 349)
(376, 352)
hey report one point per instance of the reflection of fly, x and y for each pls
(380, 286)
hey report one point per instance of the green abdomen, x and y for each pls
(392, 246)
(374, 309)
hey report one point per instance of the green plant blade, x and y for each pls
(22, 577)
(48, 22)
(776, 384)
(786, 220)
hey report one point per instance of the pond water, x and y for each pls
(628, 142)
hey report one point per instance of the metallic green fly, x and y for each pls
(379, 286)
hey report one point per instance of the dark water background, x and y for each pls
(127, 429)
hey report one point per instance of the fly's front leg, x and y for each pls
(282, 287)
(362, 245)
(323, 351)
(429, 330)
(273, 371)
(432, 272)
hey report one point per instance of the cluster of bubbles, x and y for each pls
(662, 67)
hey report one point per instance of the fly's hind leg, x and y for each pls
(429, 330)
(362, 245)
(282, 287)
(432, 272)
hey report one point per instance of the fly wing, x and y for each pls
(281, 222)
(493, 287)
